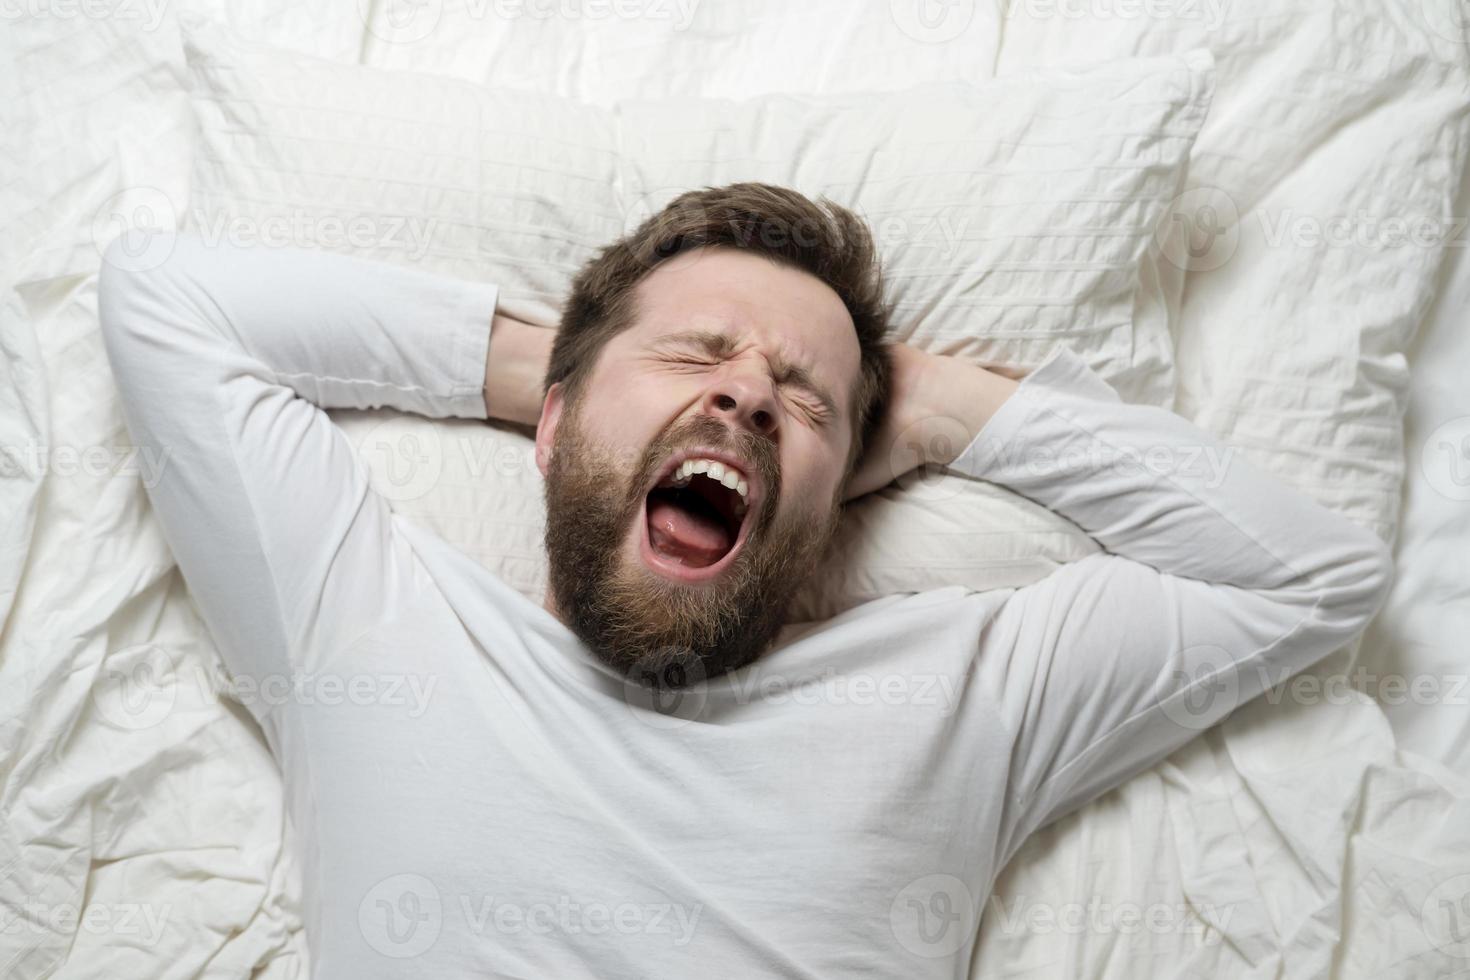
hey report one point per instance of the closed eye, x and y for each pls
(812, 410)
(810, 407)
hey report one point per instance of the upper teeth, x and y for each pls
(715, 470)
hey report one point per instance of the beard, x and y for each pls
(659, 632)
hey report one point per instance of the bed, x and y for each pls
(1302, 294)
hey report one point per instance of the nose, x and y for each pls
(743, 398)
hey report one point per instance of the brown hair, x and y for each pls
(823, 238)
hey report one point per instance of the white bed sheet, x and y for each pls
(143, 832)
(1415, 652)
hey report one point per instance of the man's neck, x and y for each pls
(549, 604)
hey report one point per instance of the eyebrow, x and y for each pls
(721, 346)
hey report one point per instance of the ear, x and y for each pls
(546, 428)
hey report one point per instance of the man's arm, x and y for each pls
(1219, 582)
(224, 358)
(514, 370)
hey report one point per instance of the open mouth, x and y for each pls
(696, 516)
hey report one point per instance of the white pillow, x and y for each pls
(1320, 204)
(604, 51)
(1012, 216)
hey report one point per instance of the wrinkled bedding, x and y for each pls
(1319, 832)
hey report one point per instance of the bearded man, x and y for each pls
(828, 799)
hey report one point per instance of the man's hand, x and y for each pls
(937, 406)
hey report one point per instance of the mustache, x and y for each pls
(757, 450)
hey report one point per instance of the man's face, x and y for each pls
(666, 574)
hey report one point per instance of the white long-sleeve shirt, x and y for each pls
(477, 795)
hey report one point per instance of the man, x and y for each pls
(652, 775)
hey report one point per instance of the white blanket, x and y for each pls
(143, 832)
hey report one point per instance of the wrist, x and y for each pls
(515, 368)
(963, 396)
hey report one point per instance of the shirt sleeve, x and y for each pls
(1216, 583)
(225, 358)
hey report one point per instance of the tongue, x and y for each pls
(678, 533)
